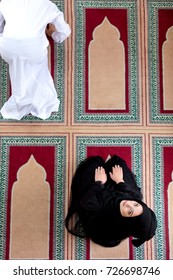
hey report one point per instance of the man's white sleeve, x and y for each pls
(63, 29)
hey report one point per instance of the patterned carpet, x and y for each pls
(114, 80)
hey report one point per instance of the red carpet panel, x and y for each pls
(113, 77)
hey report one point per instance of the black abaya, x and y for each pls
(97, 206)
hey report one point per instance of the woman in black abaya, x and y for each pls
(106, 204)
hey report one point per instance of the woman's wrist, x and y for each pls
(119, 181)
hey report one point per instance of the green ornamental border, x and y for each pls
(158, 143)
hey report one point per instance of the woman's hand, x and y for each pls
(117, 174)
(100, 175)
(50, 29)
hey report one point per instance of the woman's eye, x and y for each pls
(136, 204)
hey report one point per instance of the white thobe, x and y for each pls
(23, 45)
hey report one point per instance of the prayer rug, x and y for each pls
(160, 48)
(130, 148)
(32, 197)
(106, 42)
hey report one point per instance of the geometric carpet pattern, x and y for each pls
(113, 77)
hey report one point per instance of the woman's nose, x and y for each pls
(128, 204)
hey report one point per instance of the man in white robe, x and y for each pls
(23, 45)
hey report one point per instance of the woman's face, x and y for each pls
(130, 208)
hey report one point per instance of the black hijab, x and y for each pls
(109, 228)
(144, 226)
